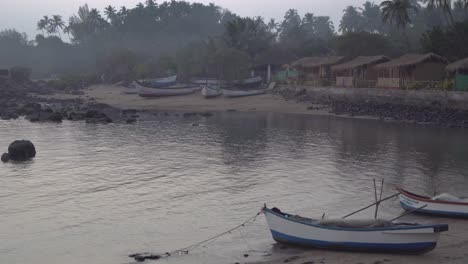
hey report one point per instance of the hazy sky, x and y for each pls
(23, 14)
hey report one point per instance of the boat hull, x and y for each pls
(410, 201)
(161, 92)
(162, 82)
(399, 239)
(210, 92)
(242, 93)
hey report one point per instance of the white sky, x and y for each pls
(23, 15)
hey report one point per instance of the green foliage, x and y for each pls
(73, 82)
(20, 74)
(117, 64)
(363, 44)
(450, 42)
(446, 85)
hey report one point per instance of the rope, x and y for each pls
(140, 257)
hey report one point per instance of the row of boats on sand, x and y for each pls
(373, 235)
(210, 88)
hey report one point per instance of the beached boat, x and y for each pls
(161, 82)
(441, 205)
(248, 83)
(145, 91)
(131, 89)
(240, 93)
(211, 91)
(354, 235)
(207, 81)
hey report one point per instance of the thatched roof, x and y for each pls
(311, 62)
(360, 62)
(461, 65)
(412, 59)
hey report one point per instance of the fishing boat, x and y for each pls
(145, 91)
(161, 82)
(233, 92)
(211, 91)
(353, 235)
(207, 81)
(441, 205)
(131, 89)
(248, 83)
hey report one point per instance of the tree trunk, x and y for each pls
(405, 35)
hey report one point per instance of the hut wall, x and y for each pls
(344, 81)
(383, 82)
(461, 82)
(429, 71)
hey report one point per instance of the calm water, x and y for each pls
(96, 193)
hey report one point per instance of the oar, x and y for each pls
(410, 212)
(367, 207)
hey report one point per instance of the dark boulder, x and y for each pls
(131, 120)
(56, 117)
(21, 150)
(5, 157)
(207, 114)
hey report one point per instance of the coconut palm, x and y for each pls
(445, 5)
(43, 24)
(398, 12)
(56, 25)
(272, 25)
(110, 12)
(351, 21)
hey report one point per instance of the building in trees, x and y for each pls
(459, 71)
(416, 71)
(359, 72)
(316, 71)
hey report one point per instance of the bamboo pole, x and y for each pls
(407, 213)
(367, 207)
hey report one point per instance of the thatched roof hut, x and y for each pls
(409, 60)
(361, 61)
(458, 66)
(359, 72)
(313, 62)
(421, 69)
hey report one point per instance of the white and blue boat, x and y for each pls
(353, 235)
(442, 205)
(161, 82)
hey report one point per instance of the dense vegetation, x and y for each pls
(193, 39)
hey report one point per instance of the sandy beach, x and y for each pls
(114, 96)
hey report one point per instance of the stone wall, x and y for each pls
(449, 99)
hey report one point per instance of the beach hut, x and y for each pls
(359, 72)
(316, 71)
(412, 71)
(459, 71)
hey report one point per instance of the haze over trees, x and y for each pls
(192, 39)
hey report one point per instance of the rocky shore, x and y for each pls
(434, 114)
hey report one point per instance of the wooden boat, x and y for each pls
(211, 91)
(145, 91)
(161, 82)
(131, 89)
(240, 93)
(354, 235)
(248, 83)
(207, 81)
(434, 206)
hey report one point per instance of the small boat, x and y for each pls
(207, 81)
(145, 91)
(241, 92)
(210, 91)
(161, 82)
(353, 235)
(248, 83)
(131, 89)
(441, 205)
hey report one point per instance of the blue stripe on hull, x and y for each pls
(433, 212)
(408, 248)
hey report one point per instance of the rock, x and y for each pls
(206, 114)
(246, 255)
(131, 120)
(195, 124)
(21, 150)
(5, 157)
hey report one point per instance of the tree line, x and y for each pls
(193, 39)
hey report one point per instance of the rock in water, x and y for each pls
(5, 157)
(21, 150)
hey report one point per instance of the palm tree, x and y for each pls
(43, 24)
(372, 17)
(272, 25)
(397, 12)
(57, 24)
(110, 12)
(445, 5)
(351, 20)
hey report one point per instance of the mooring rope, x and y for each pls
(140, 257)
